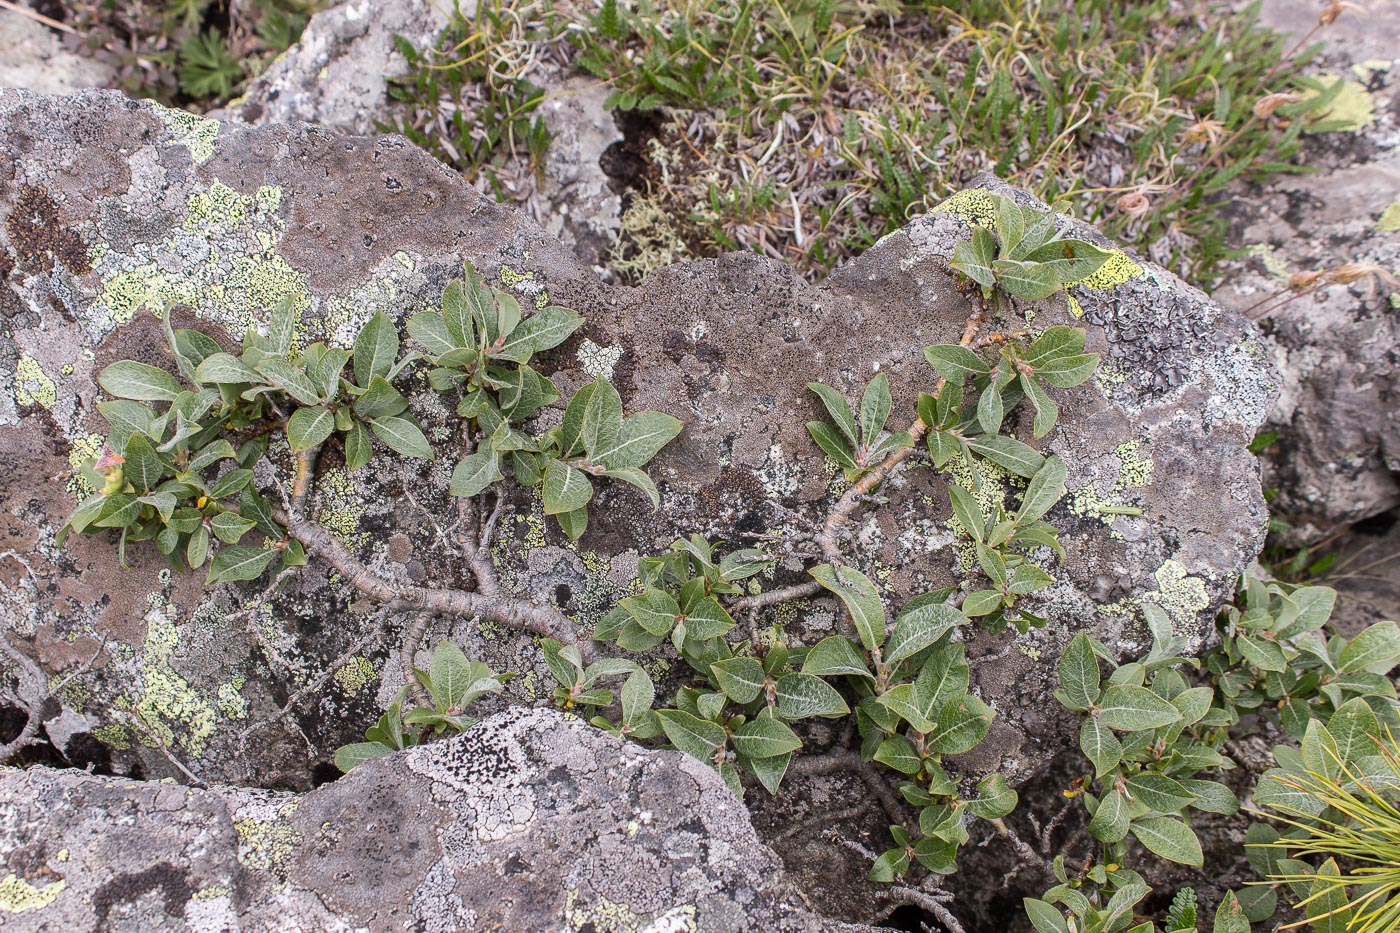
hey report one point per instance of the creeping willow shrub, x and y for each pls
(1152, 727)
(179, 470)
(179, 460)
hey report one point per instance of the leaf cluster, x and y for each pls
(480, 346)
(857, 444)
(1028, 257)
(1275, 660)
(452, 683)
(1134, 730)
(178, 464)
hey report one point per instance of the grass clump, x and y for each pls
(807, 129)
(833, 122)
(469, 99)
(1340, 849)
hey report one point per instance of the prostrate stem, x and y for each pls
(851, 501)
(539, 619)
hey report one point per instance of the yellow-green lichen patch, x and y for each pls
(1134, 472)
(1075, 307)
(266, 280)
(1116, 270)
(75, 694)
(167, 701)
(1351, 109)
(1390, 218)
(86, 448)
(357, 673)
(342, 507)
(605, 582)
(533, 538)
(609, 916)
(267, 844)
(1108, 377)
(211, 892)
(18, 895)
(113, 736)
(196, 133)
(1273, 263)
(526, 284)
(219, 204)
(989, 494)
(1181, 595)
(221, 261)
(230, 699)
(973, 205)
(32, 387)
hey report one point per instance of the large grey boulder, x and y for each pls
(111, 208)
(335, 73)
(1337, 458)
(531, 820)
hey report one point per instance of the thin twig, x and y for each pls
(30, 680)
(408, 647)
(1026, 853)
(488, 530)
(248, 616)
(301, 484)
(1052, 825)
(826, 819)
(81, 668)
(850, 503)
(159, 744)
(539, 619)
(774, 597)
(37, 17)
(850, 761)
(854, 846)
(30, 693)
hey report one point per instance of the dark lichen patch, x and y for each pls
(38, 237)
(10, 303)
(123, 891)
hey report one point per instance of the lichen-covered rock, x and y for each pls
(529, 821)
(1337, 457)
(335, 73)
(336, 76)
(131, 208)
